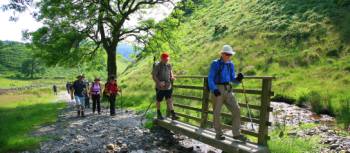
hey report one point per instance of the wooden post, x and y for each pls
(264, 112)
(205, 103)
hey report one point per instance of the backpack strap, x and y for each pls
(218, 73)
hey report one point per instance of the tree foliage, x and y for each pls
(77, 29)
(31, 67)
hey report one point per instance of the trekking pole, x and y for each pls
(246, 102)
(144, 114)
(121, 101)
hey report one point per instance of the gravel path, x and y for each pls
(103, 133)
(123, 133)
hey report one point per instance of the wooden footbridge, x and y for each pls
(203, 132)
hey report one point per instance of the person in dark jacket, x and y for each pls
(68, 86)
(79, 88)
(54, 88)
(87, 95)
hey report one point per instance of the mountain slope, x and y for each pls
(304, 44)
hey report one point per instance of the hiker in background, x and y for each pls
(162, 75)
(95, 93)
(68, 86)
(86, 93)
(111, 90)
(54, 88)
(79, 87)
(221, 74)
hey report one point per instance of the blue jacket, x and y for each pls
(227, 73)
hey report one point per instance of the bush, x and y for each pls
(314, 99)
(283, 98)
(333, 53)
(344, 113)
(301, 96)
(219, 31)
(347, 68)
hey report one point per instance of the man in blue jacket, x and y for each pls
(221, 74)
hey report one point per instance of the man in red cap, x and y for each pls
(163, 76)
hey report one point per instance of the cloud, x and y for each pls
(12, 30)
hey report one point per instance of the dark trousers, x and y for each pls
(96, 102)
(112, 104)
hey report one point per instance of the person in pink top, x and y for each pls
(95, 93)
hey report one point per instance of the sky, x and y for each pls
(10, 30)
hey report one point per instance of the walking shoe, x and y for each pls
(240, 137)
(174, 116)
(219, 137)
(159, 115)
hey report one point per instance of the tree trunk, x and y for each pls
(111, 61)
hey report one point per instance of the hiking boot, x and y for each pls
(82, 114)
(219, 137)
(240, 137)
(174, 116)
(78, 113)
(159, 115)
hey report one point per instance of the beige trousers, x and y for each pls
(227, 98)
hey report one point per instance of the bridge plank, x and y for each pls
(208, 137)
(225, 126)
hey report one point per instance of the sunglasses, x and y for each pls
(227, 54)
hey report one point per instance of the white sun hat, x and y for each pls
(228, 50)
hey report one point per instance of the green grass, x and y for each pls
(301, 43)
(304, 44)
(7, 82)
(21, 113)
(292, 144)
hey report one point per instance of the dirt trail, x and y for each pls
(103, 133)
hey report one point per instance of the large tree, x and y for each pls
(32, 66)
(74, 29)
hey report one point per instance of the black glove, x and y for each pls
(240, 77)
(217, 92)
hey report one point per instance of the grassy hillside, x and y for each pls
(304, 44)
(122, 63)
(14, 54)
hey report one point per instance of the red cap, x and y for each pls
(165, 56)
